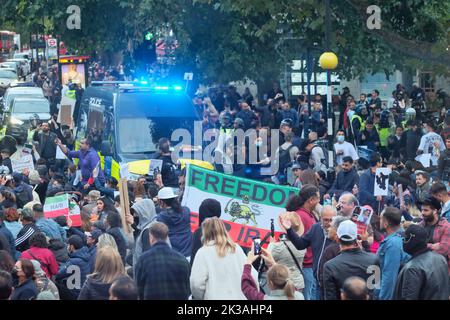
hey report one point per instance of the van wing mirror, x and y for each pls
(106, 149)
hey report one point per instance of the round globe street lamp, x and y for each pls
(328, 61)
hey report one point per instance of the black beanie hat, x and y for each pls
(415, 240)
(76, 241)
(208, 209)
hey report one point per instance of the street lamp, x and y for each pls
(329, 61)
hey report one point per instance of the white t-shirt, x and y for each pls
(348, 151)
(427, 145)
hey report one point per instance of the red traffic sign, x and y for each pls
(52, 43)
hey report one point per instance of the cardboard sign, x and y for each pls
(24, 163)
(382, 182)
(65, 115)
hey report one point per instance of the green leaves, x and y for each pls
(223, 40)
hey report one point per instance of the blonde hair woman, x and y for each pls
(284, 251)
(108, 267)
(106, 240)
(217, 268)
(278, 277)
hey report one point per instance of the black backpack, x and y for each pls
(284, 159)
(324, 160)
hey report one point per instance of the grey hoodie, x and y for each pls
(146, 212)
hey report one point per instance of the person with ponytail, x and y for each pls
(278, 278)
(304, 204)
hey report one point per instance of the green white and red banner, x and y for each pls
(59, 206)
(247, 205)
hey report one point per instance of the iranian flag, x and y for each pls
(59, 206)
(247, 205)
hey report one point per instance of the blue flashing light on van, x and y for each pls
(125, 120)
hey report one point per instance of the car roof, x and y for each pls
(31, 90)
(30, 99)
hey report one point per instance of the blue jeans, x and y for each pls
(310, 283)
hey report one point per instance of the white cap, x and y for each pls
(347, 231)
(166, 193)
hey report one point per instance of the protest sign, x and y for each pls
(363, 220)
(59, 206)
(155, 165)
(60, 154)
(364, 153)
(27, 149)
(247, 205)
(125, 172)
(23, 163)
(424, 159)
(382, 182)
(65, 115)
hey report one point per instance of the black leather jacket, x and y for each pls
(424, 277)
(348, 263)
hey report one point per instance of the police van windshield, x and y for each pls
(143, 118)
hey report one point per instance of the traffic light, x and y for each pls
(149, 36)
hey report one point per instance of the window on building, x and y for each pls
(427, 81)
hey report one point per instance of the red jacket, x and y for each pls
(441, 236)
(248, 285)
(45, 257)
(308, 220)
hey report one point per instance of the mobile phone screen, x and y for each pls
(257, 246)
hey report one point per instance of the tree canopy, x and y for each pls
(225, 40)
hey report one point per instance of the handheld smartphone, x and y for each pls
(272, 228)
(257, 246)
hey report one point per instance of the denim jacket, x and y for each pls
(392, 257)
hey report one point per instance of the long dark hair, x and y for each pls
(297, 201)
(108, 205)
(174, 203)
(28, 269)
(6, 261)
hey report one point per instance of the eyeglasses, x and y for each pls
(327, 220)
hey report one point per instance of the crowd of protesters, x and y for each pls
(152, 254)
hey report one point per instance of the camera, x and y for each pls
(257, 246)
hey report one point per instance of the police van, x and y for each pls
(125, 120)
